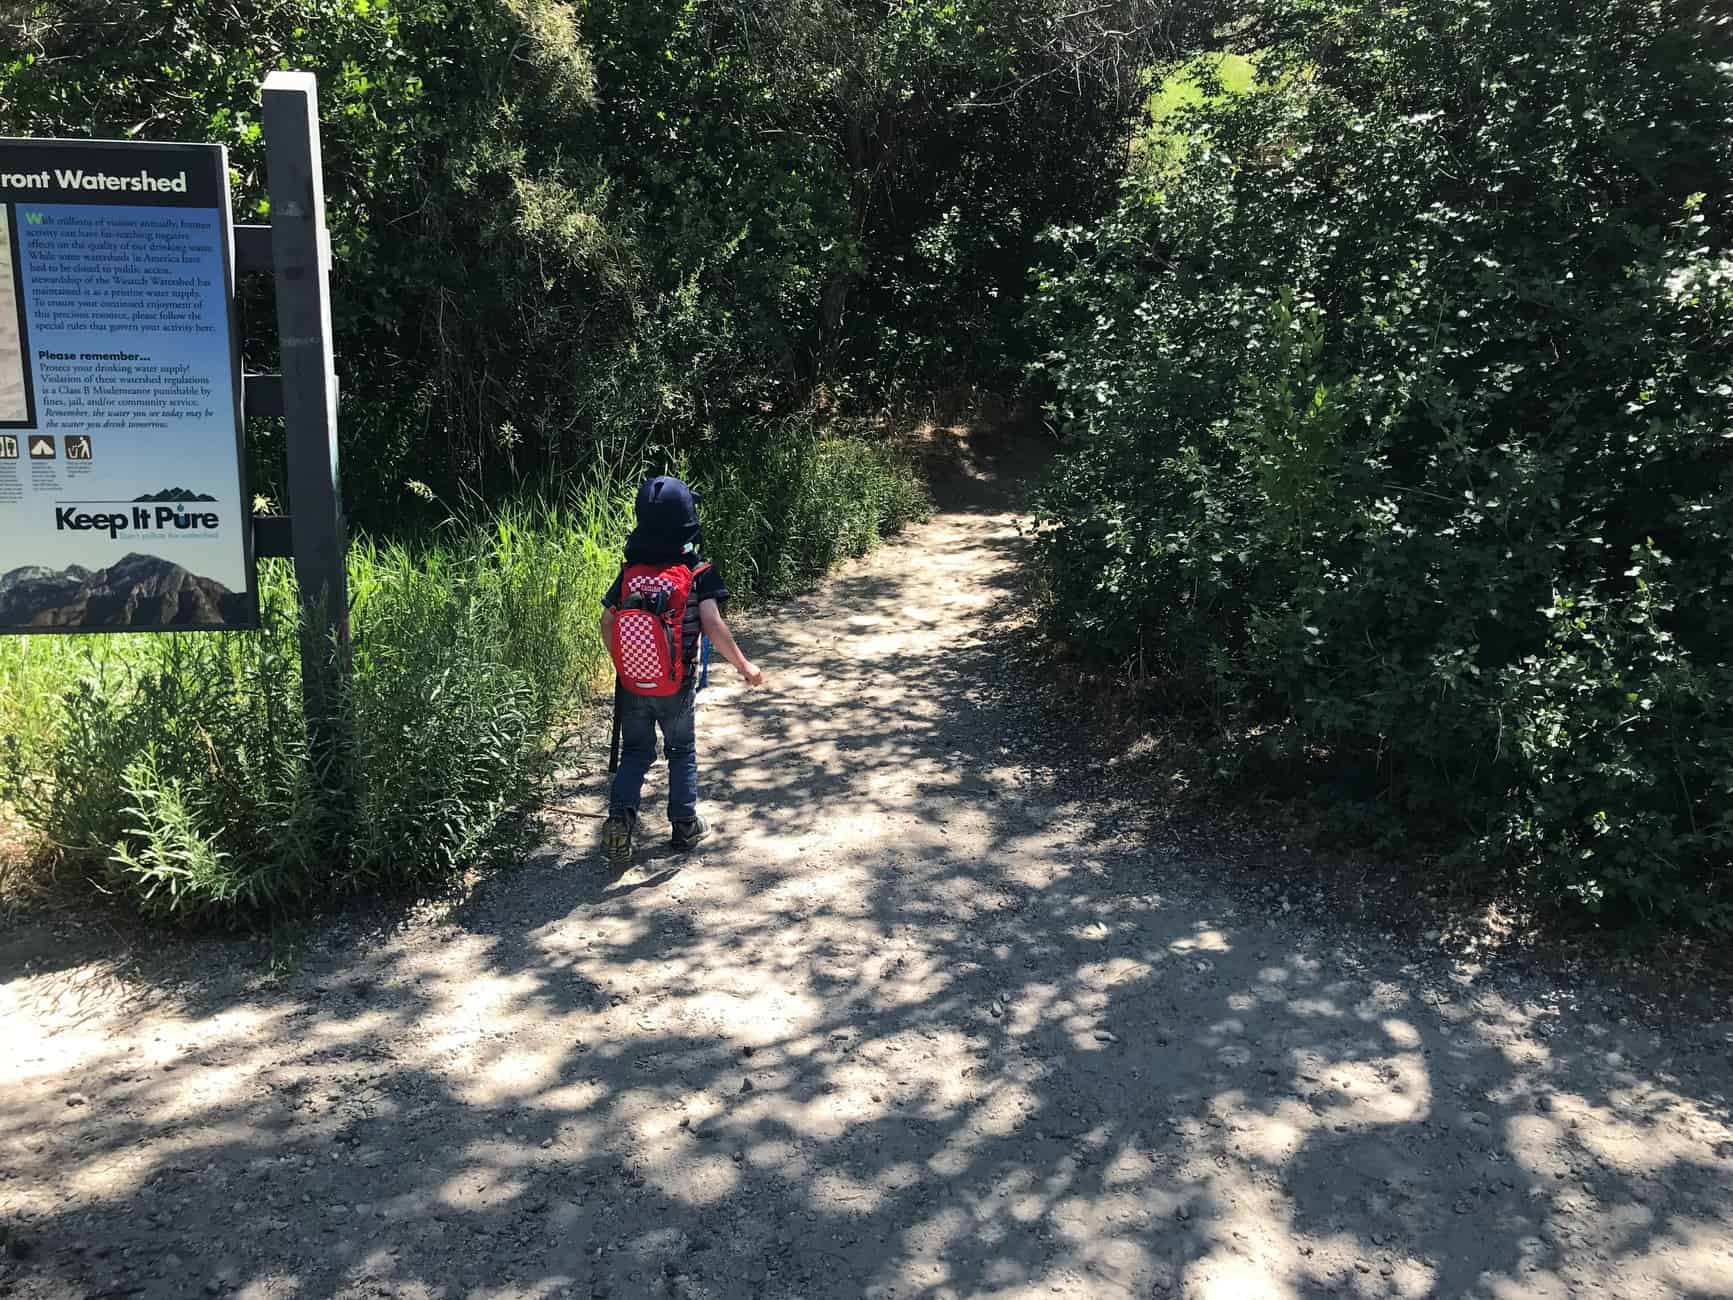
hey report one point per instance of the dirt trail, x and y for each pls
(919, 1023)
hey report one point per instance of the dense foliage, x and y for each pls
(179, 768)
(612, 230)
(1402, 400)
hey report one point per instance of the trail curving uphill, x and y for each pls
(922, 1021)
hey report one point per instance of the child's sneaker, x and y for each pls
(618, 833)
(688, 831)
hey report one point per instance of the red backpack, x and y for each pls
(654, 625)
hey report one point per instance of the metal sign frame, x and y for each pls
(15, 257)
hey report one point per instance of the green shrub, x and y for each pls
(1400, 414)
(177, 764)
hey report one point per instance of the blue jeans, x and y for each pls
(639, 717)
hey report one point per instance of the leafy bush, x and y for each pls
(179, 763)
(1401, 399)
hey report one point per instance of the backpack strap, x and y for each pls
(700, 643)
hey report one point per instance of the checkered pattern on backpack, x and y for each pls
(641, 645)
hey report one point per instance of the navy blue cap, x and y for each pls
(667, 513)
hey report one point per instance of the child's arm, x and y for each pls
(710, 619)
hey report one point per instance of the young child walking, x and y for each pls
(666, 598)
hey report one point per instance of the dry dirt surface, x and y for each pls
(923, 1020)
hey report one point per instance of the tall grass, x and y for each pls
(783, 510)
(176, 770)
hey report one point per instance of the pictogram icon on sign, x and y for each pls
(41, 447)
(78, 446)
(8, 446)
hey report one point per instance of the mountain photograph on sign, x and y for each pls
(176, 494)
(14, 399)
(137, 591)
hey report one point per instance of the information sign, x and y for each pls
(123, 501)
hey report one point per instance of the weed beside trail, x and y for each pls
(786, 509)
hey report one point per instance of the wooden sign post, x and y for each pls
(296, 249)
(120, 369)
(301, 257)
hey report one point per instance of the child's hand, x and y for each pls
(752, 673)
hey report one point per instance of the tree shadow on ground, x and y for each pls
(923, 1023)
